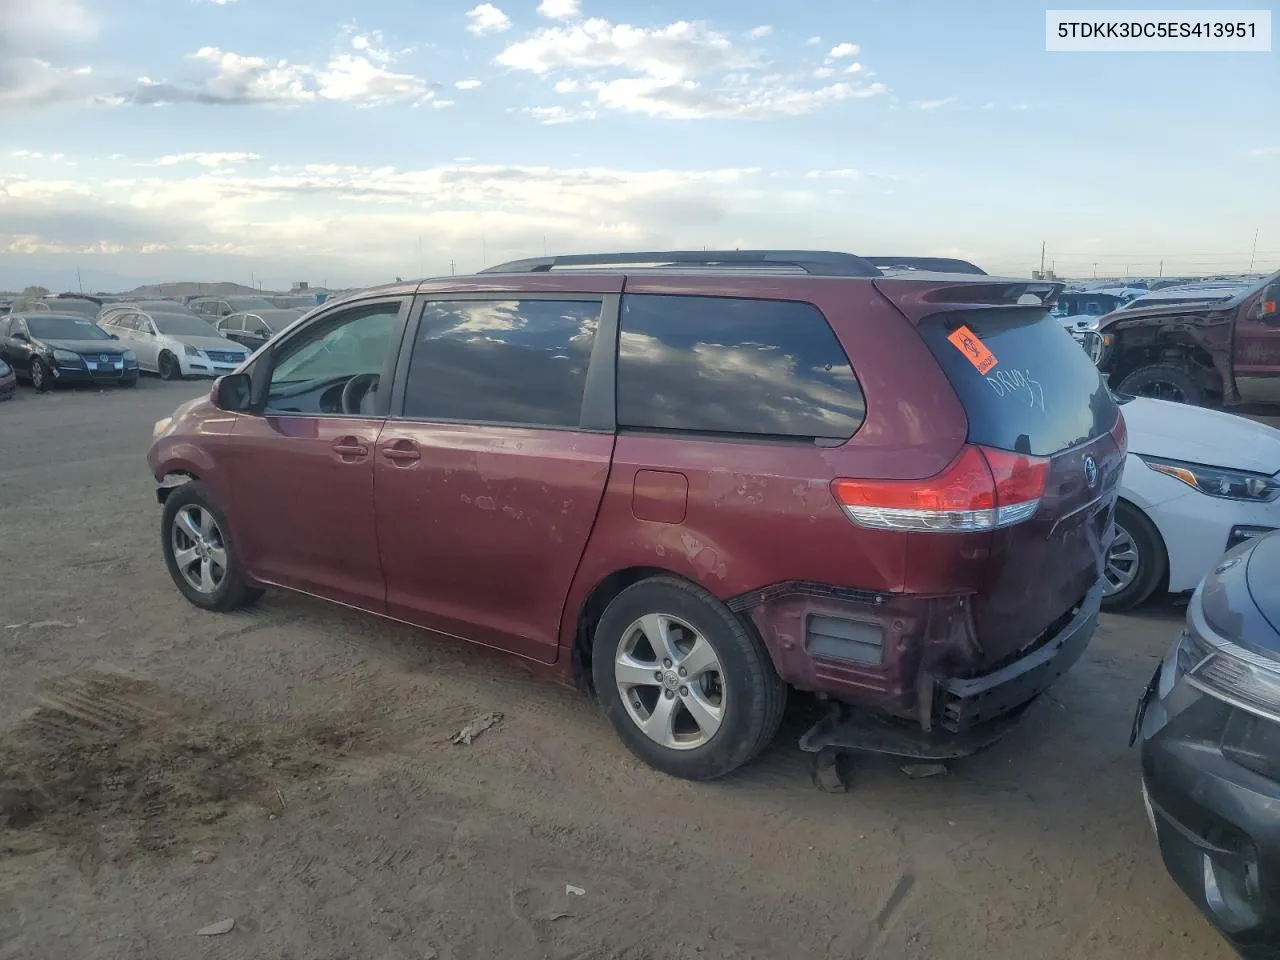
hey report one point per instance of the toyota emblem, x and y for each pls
(1091, 472)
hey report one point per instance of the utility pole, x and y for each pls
(544, 244)
(1043, 244)
(1161, 268)
(452, 267)
(484, 251)
(80, 283)
(1254, 255)
(1095, 271)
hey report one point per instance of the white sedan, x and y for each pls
(172, 341)
(1196, 483)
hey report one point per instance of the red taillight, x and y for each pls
(982, 489)
(1120, 434)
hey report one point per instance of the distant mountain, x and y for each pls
(184, 288)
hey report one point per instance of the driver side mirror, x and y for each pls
(232, 393)
(21, 335)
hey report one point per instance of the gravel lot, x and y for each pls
(162, 769)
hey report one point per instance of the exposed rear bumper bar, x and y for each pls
(967, 703)
(972, 713)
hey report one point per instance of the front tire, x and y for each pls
(1163, 382)
(688, 687)
(200, 554)
(41, 379)
(1136, 564)
(169, 367)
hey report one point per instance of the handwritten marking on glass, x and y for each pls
(1008, 383)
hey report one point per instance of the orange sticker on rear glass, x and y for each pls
(974, 350)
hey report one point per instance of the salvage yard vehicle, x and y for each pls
(253, 329)
(47, 349)
(171, 340)
(1196, 483)
(1200, 344)
(688, 480)
(213, 307)
(8, 379)
(1209, 724)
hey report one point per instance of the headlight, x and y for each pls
(4, 368)
(1217, 482)
(66, 356)
(1241, 677)
(160, 427)
(130, 357)
(191, 351)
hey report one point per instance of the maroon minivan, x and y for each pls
(688, 481)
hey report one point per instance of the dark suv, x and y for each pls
(689, 481)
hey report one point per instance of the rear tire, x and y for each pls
(722, 711)
(169, 367)
(1163, 382)
(187, 555)
(1144, 571)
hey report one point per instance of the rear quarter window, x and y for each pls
(1042, 395)
(734, 367)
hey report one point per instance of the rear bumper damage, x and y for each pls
(914, 698)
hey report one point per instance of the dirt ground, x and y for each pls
(289, 768)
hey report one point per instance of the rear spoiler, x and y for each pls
(918, 298)
(928, 264)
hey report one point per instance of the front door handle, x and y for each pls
(402, 452)
(350, 448)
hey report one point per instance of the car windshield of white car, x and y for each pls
(65, 328)
(176, 325)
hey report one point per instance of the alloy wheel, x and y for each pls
(671, 682)
(1122, 563)
(198, 548)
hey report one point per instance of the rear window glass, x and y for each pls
(1025, 384)
(719, 365)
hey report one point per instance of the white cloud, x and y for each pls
(207, 159)
(1265, 152)
(468, 84)
(814, 41)
(560, 9)
(442, 104)
(760, 32)
(346, 78)
(34, 37)
(823, 72)
(683, 70)
(552, 116)
(932, 104)
(219, 3)
(486, 18)
(842, 50)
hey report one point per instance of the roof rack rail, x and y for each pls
(930, 264)
(816, 262)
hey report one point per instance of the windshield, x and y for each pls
(177, 325)
(1025, 384)
(65, 328)
(250, 303)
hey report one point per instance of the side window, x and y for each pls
(234, 323)
(502, 361)
(312, 370)
(725, 366)
(4, 326)
(256, 326)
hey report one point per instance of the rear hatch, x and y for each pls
(1027, 388)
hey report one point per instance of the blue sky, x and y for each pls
(353, 142)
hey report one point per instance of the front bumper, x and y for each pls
(1217, 822)
(94, 372)
(1197, 529)
(965, 715)
(203, 366)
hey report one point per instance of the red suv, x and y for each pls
(689, 481)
